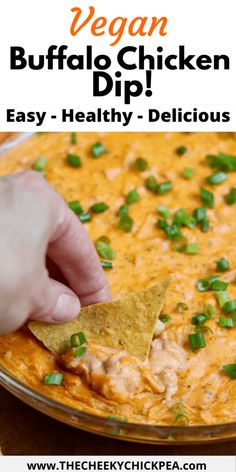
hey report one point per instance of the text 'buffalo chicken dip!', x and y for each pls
(160, 209)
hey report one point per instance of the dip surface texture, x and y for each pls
(110, 383)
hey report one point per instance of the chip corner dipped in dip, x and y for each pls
(155, 205)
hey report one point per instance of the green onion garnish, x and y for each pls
(216, 178)
(231, 197)
(123, 210)
(80, 351)
(99, 207)
(104, 239)
(222, 265)
(222, 298)
(209, 310)
(206, 283)
(164, 187)
(224, 162)
(181, 150)
(53, 379)
(106, 265)
(164, 318)
(181, 416)
(73, 138)
(151, 183)
(98, 149)
(219, 285)
(181, 218)
(207, 198)
(199, 319)
(204, 225)
(188, 173)
(74, 160)
(141, 164)
(78, 339)
(230, 307)
(125, 223)
(164, 212)
(226, 322)
(179, 243)
(85, 217)
(203, 329)
(196, 341)
(192, 248)
(181, 307)
(230, 370)
(40, 164)
(199, 214)
(75, 207)
(132, 197)
(104, 250)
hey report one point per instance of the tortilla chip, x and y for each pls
(124, 324)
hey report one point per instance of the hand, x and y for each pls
(35, 223)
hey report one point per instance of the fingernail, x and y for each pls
(66, 309)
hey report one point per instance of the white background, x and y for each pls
(203, 26)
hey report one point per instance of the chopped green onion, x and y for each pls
(125, 223)
(216, 178)
(199, 319)
(183, 219)
(192, 248)
(204, 225)
(206, 283)
(123, 210)
(73, 138)
(231, 197)
(199, 214)
(105, 251)
(74, 161)
(78, 339)
(179, 243)
(222, 265)
(106, 265)
(219, 285)
(75, 207)
(181, 150)
(85, 217)
(230, 307)
(151, 183)
(53, 379)
(141, 164)
(164, 318)
(104, 239)
(223, 162)
(222, 298)
(98, 149)
(230, 370)
(209, 310)
(181, 416)
(132, 197)
(163, 211)
(203, 329)
(197, 341)
(181, 307)
(80, 351)
(164, 187)
(226, 322)
(207, 198)
(40, 164)
(188, 173)
(99, 207)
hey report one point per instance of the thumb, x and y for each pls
(59, 303)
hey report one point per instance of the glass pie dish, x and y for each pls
(144, 433)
